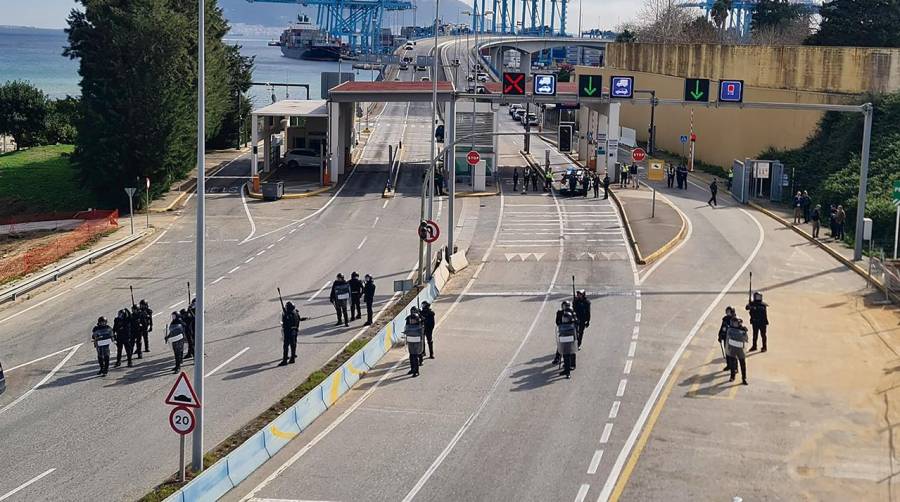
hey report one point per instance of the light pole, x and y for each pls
(434, 105)
(199, 320)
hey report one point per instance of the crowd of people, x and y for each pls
(806, 213)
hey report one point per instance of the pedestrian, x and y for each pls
(356, 292)
(596, 184)
(816, 218)
(583, 312)
(606, 186)
(633, 175)
(290, 329)
(805, 203)
(122, 336)
(369, 298)
(736, 340)
(137, 330)
(515, 178)
(439, 182)
(840, 218)
(428, 324)
(682, 174)
(713, 190)
(340, 295)
(832, 220)
(670, 175)
(413, 331)
(573, 184)
(586, 183)
(534, 181)
(797, 203)
(623, 178)
(102, 336)
(723, 335)
(566, 332)
(187, 320)
(759, 319)
(175, 336)
(525, 179)
(548, 180)
(730, 179)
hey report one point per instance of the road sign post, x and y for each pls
(130, 191)
(429, 231)
(147, 182)
(181, 420)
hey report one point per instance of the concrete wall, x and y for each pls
(771, 74)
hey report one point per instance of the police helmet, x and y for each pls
(368, 277)
(425, 304)
(175, 315)
(566, 304)
(289, 306)
(101, 320)
(340, 276)
(729, 310)
(355, 275)
(757, 295)
(582, 292)
(414, 310)
(142, 303)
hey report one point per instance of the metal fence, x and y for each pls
(95, 223)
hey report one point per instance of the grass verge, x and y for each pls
(172, 485)
(39, 180)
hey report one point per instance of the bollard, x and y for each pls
(653, 205)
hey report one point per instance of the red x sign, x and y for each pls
(514, 84)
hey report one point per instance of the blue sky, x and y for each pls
(53, 13)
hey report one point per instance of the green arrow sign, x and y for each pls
(587, 87)
(696, 90)
(897, 192)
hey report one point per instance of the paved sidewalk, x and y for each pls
(654, 231)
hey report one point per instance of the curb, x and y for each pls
(834, 254)
(312, 193)
(659, 253)
(638, 258)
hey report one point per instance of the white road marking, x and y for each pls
(614, 410)
(637, 293)
(621, 390)
(376, 221)
(651, 401)
(283, 237)
(628, 364)
(634, 332)
(638, 304)
(43, 380)
(248, 260)
(217, 280)
(313, 297)
(631, 349)
(36, 305)
(232, 358)
(270, 246)
(185, 242)
(38, 359)
(294, 230)
(637, 317)
(26, 484)
(261, 252)
(249, 217)
(170, 307)
(361, 244)
(235, 269)
(385, 203)
(582, 493)
(595, 462)
(607, 430)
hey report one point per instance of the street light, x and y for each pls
(199, 320)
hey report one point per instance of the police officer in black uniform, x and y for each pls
(566, 323)
(428, 322)
(356, 292)
(187, 320)
(606, 182)
(122, 336)
(290, 328)
(175, 336)
(137, 329)
(723, 335)
(759, 319)
(102, 335)
(583, 312)
(369, 297)
(413, 331)
(340, 295)
(147, 320)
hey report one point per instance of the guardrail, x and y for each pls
(13, 292)
(227, 473)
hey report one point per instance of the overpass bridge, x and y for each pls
(526, 46)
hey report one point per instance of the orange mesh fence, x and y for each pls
(96, 223)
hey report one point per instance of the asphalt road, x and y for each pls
(490, 418)
(77, 436)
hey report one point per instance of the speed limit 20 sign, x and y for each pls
(181, 419)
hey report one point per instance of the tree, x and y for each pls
(702, 31)
(62, 117)
(861, 23)
(779, 22)
(625, 37)
(719, 13)
(665, 21)
(23, 112)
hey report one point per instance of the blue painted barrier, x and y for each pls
(280, 431)
(308, 409)
(208, 486)
(334, 387)
(354, 368)
(247, 457)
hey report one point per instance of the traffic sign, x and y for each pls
(181, 420)
(683, 139)
(897, 193)
(696, 90)
(513, 84)
(182, 393)
(693, 137)
(638, 155)
(473, 157)
(545, 85)
(429, 231)
(731, 91)
(148, 183)
(590, 86)
(621, 87)
(130, 191)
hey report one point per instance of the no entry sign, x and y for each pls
(638, 155)
(473, 158)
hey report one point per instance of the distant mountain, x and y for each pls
(277, 15)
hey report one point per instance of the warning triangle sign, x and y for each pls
(182, 394)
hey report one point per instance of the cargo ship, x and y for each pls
(306, 41)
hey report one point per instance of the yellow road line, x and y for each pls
(645, 436)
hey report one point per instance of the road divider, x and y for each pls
(231, 470)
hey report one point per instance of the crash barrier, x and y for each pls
(231, 470)
(95, 223)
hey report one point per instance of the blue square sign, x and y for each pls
(545, 85)
(731, 91)
(621, 87)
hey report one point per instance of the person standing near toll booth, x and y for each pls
(583, 311)
(525, 179)
(759, 319)
(428, 324)
(515, 178)
(606, 182)
(670, 175)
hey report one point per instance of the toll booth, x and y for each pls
(598, 136)
(478, 119)
(759, 179)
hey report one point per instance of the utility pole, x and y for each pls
(199, 320)
(863, 180)
(434, 105)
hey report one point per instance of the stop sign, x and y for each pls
(473, 158)
(638, 154)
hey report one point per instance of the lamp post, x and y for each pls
(199, 322)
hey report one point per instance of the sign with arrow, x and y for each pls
(514, 84)
(590, 86)
(897, 192)
(696, 90)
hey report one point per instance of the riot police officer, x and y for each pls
(759, 319)
(147, 320)
(340, 295)
(356, 292)
(290, 328)
(413, 331)
(137, 330)
(175, 335)
(102, 336)
(736, 340)
(428, 323)
(122, 336)
(566, 344)
(583, 312)
(187, 320)
(723, 335)
(369, 297)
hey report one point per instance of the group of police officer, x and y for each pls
(571, 320)
(733, 335)
(352, 292)
(419, 331)
(130, 333)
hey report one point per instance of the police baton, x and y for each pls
(280, 299)
(132, 295)
(573, 288)
(750, 291)
(189, 293)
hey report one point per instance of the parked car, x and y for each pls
(517, 115)
(302, 157)
(531, 119)
(514, 108)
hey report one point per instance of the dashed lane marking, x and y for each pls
(621, 390)
(582, 493)
(26, 484)
(607, 430)
(235, 269)
(614, 410)
(595, 462)
(628, 364)
(313, 297)
(363, 243)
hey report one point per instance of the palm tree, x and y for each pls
(719, 13)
